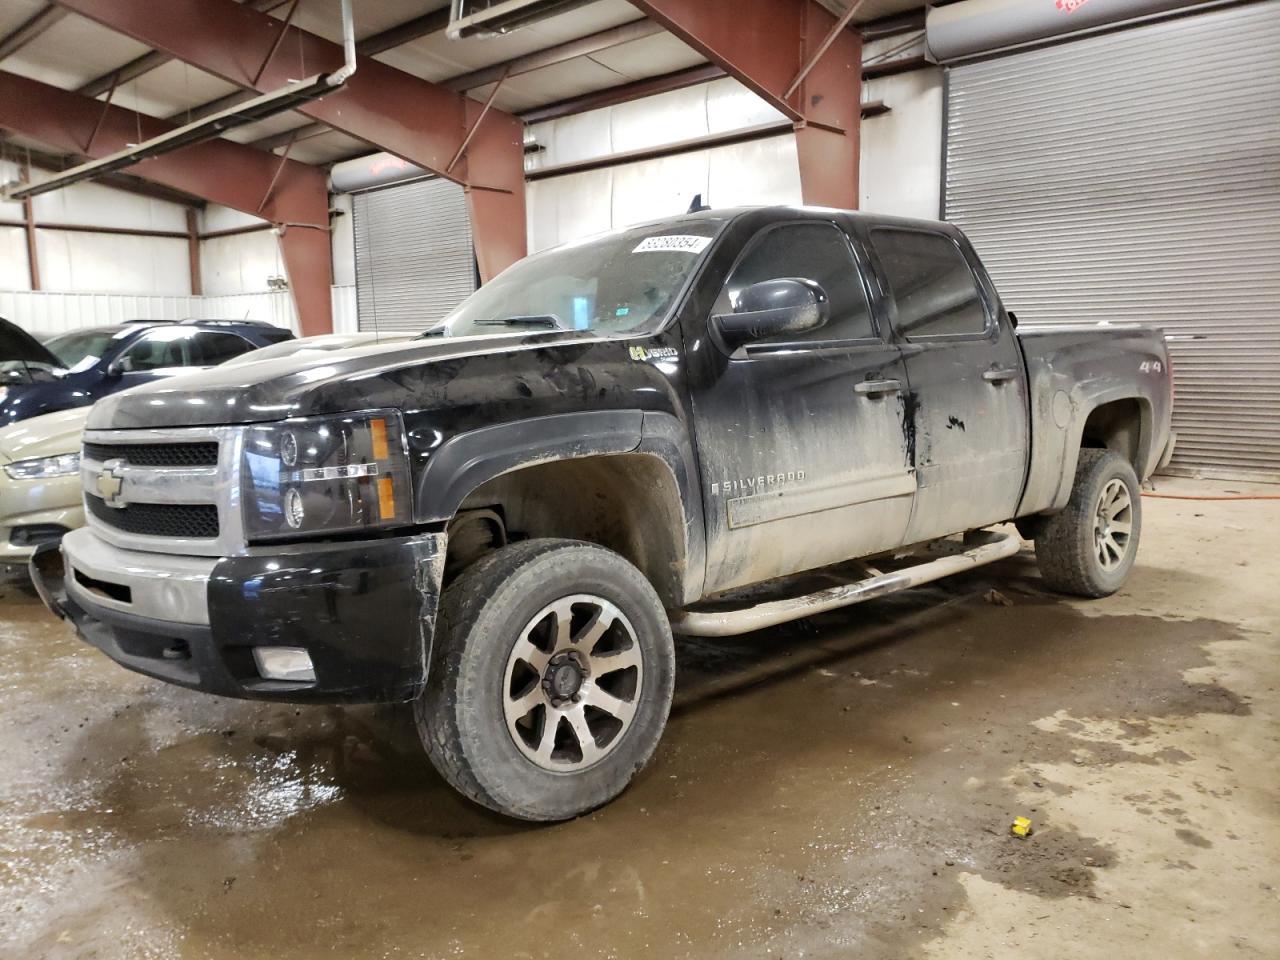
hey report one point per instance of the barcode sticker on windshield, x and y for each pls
(675, 241)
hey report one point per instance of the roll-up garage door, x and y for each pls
(414, 257)
(1136, 176)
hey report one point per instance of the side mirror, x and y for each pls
(773, 308)
(118, 366)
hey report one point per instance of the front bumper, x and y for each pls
(28, 506)
(364, 612)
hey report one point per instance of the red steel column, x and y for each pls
(308, 263)
(764, 44)
(193, 252)
(29, 221)
(424, 123)
(218, 170)
(831, 97)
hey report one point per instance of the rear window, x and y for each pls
(935, 292)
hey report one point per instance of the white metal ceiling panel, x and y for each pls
(650, 56)
(268, 127)
(171, 89)
(556, 82)
(323, 17)
(72, 52)
(14, 13)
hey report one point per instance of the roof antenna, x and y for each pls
(697, 206)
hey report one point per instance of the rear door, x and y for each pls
(968, 394)
(801, 441)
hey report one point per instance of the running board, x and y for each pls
(728, 623)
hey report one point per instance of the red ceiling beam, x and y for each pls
(767, 45)
(423, 123)
(218, 170)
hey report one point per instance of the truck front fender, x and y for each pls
(469, 460)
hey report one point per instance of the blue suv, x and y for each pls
(74, 369)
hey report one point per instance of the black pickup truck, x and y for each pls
(504, 521)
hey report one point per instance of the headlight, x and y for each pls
(44, 467)
(325, 475)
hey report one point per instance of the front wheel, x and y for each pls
(1089, 547)
(551, 679)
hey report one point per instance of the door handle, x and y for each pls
(1000, 376)
(870, 388)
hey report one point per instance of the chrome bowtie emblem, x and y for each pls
(111, 485)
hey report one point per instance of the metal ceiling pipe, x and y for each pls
(974, 28)
(259, 108)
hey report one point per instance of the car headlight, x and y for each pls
(325, 475)
(42, 468)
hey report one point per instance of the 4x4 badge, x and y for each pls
(653, 353)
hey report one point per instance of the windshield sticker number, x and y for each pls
(680, 243)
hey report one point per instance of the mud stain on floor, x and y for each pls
(822, 789)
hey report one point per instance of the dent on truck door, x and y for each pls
(967, 389)
(801, 443)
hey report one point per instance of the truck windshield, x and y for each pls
(81, 349)
(620, 283)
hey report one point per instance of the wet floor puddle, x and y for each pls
(820, 789)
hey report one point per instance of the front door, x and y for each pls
(801, 442)
(968, 393)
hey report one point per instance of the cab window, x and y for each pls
(932, 286)
(212, 347)
(157, 349)
(809, 251)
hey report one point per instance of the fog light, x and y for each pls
(284, 663)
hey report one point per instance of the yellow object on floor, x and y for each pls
(1021, 827)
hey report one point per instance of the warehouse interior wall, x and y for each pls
(237, 262)
(901, 166)
(577, 203)
(82, 261)
(901, 158)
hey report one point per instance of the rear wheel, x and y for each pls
(1089, 547)
(551, 679)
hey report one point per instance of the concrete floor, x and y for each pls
(837, 789)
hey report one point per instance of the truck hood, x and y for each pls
(18, 345)
(308, 383)
(50, 435)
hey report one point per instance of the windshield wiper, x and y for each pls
(527, 320)
(436, 331)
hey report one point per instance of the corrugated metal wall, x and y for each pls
(1136, 176)
(414, 256)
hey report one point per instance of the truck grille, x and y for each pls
(187, 520)
(155, 454)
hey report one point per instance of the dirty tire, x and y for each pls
(460, 715)
(1066, 546)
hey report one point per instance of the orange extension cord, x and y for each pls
(1224, 496)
